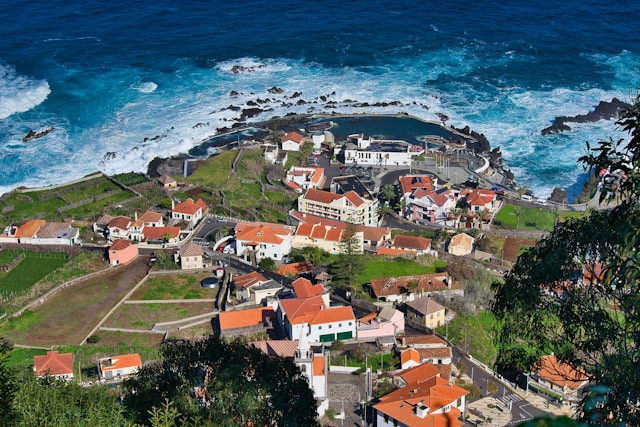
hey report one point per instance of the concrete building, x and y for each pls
(425, 311)
(122, 252)
(258, 240)
(387, 322)
(292, 141)
(119, 366)
(430, 206)
(347, 207)
(461, 244)
(408, 288)
(366, 151)
(189, 211)
(191, 256)
(54, 364)
(300, 178)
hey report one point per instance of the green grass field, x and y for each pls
(215, 170)
(532, 218)
(376, 268)
(7, 256)
(34, 267)
(173, 286)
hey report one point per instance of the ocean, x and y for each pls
(123, 82)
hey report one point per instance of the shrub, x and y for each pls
(93, 339)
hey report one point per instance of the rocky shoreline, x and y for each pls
(603, 111)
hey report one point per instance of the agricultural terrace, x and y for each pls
(527, 218)
(93, 196)
(174, 286)
(33, 267)
(144, 316)
(77, 266)
(68, 316)
(246, 192)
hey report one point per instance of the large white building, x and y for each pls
(347, 207)
(367, 151)
(263, 239)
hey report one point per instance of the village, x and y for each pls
(366, 261)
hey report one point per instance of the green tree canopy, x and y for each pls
(268, 264)
(590, 321)
(224, 384)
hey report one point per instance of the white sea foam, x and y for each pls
(195, 100)
(18, 93)
(145, 87)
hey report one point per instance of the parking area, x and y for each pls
(347, 391)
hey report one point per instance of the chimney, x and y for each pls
(422, 411)
(135, 216)
(173, 204)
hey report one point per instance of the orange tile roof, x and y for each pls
(321, 196)
(425, 282)
(317, 175)
(411, 242)
(367, 318)
(149, 217)
(318, 365)
(300, 310)
(417, 373)
(333, 314)
(318, 232)
(424, 339)
(120, 244)
(392, 251)
(353, 197)
(30, 228)
(260, 234)
(191, 249)
(408, 355)
(121, 222)
(304, 229)
(437, 198)
(303, 288)
(480, 197)
(292, 136)
(560, 373)
(123, 361)
(462, 239)
(159, 232)
(431, 391)
(53, 363)
(369, 233)
(296, 268)
(190, 207)
(334, 234)
(293, 185)
(409, 183)
(244, 318)
(248, 280)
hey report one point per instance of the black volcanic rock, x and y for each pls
(31, 135)
(247, 113)
(604, 111)
(275, 90)
(296, 94)
(301, 102)
(558, 195)
(110, 155)
(252, 103)
(233, 93)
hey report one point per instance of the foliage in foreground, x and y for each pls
(593, 325)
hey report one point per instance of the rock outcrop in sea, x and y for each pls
(604, 111)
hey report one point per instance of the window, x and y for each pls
(330, 326)
(319, 327)
(349, 323)
(339, 325)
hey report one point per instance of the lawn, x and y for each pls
(7, 256)
(215, 170)
(130, 178)
(532, 218)
(376, 268)
(197, 331)
(23, 357)
(174, 286)
(475, 333)
(69, 315)
(30, 270)
(91, 209)
(144, 316)
(293, 159)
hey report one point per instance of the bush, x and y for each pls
(93, 339)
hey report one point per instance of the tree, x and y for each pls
(8, 386)
(388, 192)
(349, 263)
(268, 264)
(517, 211)
(306, 150)
(590, 321)
(222, 383)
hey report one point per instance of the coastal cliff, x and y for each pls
(604, 111)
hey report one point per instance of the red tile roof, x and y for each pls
(353, 197)
(121, 222)
(430, 340)
(333, 314)
(296, 268)
(300, 310)
(321, 196)
(159, 232)
(409, 355)
(190, 207)
(438, 198)
(408, 183)
(282, 348)
(244, 318)
(560, 373)
(292, 136)
(30, 228)
(120, 244)
(293, 185)
(248, 280)
(303, 288)
(391, 251)
(369, 233)
(411, 242)
(418, 373)
(425, 282)
(53, 363)
(480, 197)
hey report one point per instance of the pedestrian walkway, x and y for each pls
(488, 411)
(505, 400)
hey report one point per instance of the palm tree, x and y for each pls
(388, 192)
(517, 210)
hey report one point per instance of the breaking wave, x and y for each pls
(18, 93)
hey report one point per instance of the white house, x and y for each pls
(191, 256)
(322, 138)
(425, 400)
(270, 153)
(292, 141)
(302, 178)
(263, 240)
(255, 287)
(118, 228)
(347, 207)
(189, 211)
(431, 206)
(119, 366)
(147, 219)
(372, 152)
(461, 244)
(54, 364)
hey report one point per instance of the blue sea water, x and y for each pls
(107, 75)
